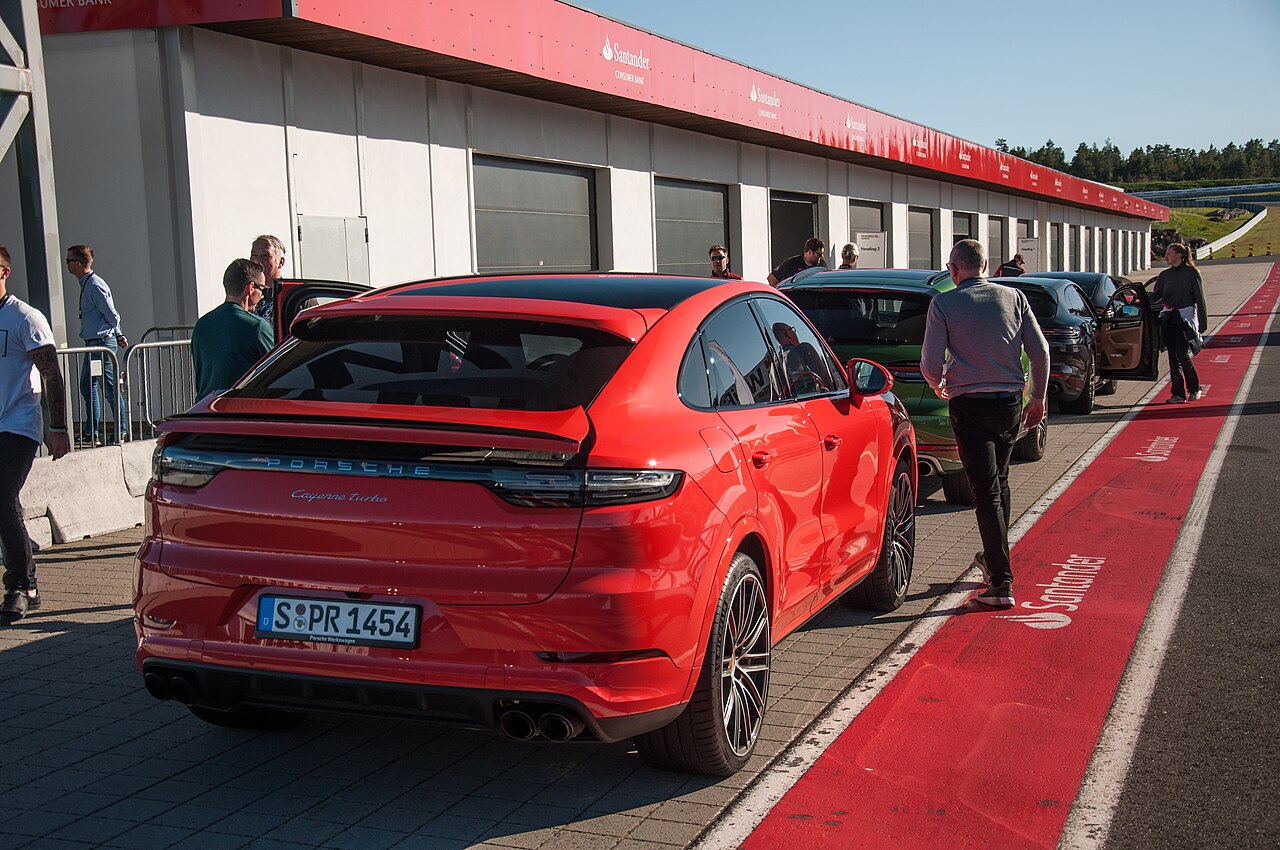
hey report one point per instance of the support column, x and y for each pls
(27, 127)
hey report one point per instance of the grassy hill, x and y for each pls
(1268, 230)
(1194, 223)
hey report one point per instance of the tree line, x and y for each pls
(1255, 160)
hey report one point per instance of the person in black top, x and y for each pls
(719, 256)
(1181, 295)
(1014, 267)
(812, 256)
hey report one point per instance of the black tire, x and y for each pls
(1083, 405)
(250, 717)
(1107, 387)
(717, 731)
(956, 489)
(1032, 444)
(886, 587)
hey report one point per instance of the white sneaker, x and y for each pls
(1196, 396)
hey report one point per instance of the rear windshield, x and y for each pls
(442, 362)
(1043, 304)
(865, 316)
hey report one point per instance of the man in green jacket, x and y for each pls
(229, 339)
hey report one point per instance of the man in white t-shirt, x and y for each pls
(28, 356)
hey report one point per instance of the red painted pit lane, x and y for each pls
(984, 737)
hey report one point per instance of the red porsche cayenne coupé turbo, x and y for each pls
(566, 507)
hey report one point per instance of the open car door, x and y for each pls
(293, 296)
(1128, 338)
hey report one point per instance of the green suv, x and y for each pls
(879, 314)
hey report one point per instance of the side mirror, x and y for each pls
(1128, 311)
(867, 378)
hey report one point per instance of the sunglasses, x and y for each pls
(718, 258)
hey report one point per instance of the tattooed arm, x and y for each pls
(46, 359)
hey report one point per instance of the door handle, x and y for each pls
(760, 459)
(831, 442)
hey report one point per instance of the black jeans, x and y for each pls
(986, 429)
(16, 455)
(1174, 331)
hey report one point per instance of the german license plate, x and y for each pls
(340, 621)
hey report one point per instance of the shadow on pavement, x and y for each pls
(90, 756)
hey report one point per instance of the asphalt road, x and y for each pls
(1207, 765)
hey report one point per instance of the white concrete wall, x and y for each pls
(108, 174)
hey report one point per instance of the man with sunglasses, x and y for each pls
(229, 339)
(720, 263)
(99, 328)
(811, 256)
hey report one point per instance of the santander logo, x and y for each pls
(758, 96)
(1156, 451)
(1061, 596)
(613, 52)
(1040, 620)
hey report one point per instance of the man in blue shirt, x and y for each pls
(99, 327)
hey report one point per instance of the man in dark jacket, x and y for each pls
(811, 256)
(1013, 267)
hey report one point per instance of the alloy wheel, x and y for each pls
(902, 532)
(744, 665)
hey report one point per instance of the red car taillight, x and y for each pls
(592, 488)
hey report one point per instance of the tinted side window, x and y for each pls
(693, 386)
(1076, 302)
(808, 369)
(1042, 304)
(740, 366)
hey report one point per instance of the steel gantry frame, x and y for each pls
(24, 124)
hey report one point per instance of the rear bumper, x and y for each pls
(220, 687)
(1066, 383)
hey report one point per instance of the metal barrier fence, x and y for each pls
(160, 380)
(155, 380)
(96, 369)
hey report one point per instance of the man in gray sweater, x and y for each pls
(972, 356)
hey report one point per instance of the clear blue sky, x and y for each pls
(1137, 72)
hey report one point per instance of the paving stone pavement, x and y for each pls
(91, 760)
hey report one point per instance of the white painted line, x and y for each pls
(736, 824)
(1089, 821)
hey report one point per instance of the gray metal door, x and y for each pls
(333, 248)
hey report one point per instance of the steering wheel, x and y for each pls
(818, 384)
(546, 361)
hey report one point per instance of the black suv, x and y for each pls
(1091, 346)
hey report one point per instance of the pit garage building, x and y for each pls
(407, 139)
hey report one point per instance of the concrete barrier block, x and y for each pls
(40, 530)
(34, 496)
(137, 465)
(83, 494)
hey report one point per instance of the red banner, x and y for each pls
(550, 40)
(58, 16)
